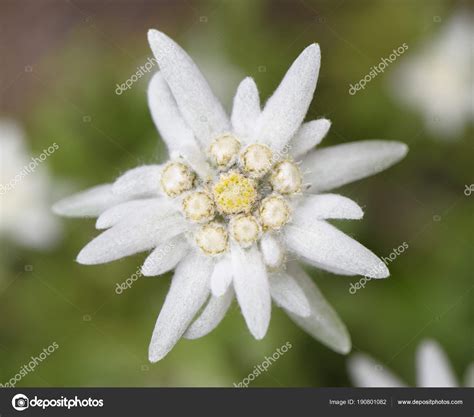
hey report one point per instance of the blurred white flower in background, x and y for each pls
(432, 370)
(438, 80)
(25, 214)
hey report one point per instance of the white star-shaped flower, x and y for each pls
(237, 195)
(432, 370)
(438, 79)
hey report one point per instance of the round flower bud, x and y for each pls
(224, 150)
(256, 160)
(212, 238)
(198, 207)
(286, 178)
(274, 212)
(176, 178)
(244, 229)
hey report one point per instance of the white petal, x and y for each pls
(366, 372)
(323, 324)
(221, 276)
(246, 108)
(469, 376)
(288, 294)
(166, 115)
(308, 136)
(88, 203)
(341, 164)
(329, 268)
(196, 160)
(188, 292)
(140, 233)
(432, 367)
(286, 108)
(321, 244)
(165, 257)
(201, 110)
(272, 250)
(211, 316)
(252, 289)
(326, 206)
(121, 211)
(142, 181)
(179, 138)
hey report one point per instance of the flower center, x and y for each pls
(249, 194)
(176, 178)
(212, 238)
(274, 212)
(198, 207)
(234, 193)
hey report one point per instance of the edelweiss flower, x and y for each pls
(439, 81)
(432, 370)
(25, 216)
(237, 195)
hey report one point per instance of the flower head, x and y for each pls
(438, 81)
(237, 195)
(25, 189)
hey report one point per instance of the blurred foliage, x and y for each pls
(103, 337)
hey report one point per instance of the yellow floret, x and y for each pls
(234, 193)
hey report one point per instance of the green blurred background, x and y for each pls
(61, 61)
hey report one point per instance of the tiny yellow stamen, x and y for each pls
(234, 193)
